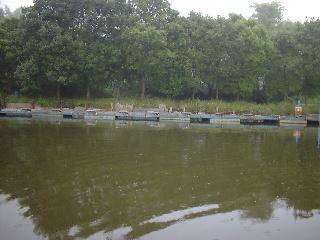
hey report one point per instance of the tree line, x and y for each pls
(144, 47)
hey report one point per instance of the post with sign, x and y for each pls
(298, 109)
(319, 130)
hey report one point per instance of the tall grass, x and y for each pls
(194, 106)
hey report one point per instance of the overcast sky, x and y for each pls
(295, 10)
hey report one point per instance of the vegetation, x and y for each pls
(188, 105)
(144, 48)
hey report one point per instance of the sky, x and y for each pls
(295, 10)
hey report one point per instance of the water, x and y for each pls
(148, 181)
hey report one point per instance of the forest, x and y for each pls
(104, 48)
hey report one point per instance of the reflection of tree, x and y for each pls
(259, 206)
(302, 214)
(102, 178)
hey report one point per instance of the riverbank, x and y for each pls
(195, 106)
(127, 112)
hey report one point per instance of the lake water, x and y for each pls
(135, 180)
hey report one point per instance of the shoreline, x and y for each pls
(161, 116)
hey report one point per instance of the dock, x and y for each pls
(98, 114)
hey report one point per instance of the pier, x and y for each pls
(97, 114)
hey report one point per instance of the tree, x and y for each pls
(47, 48)
(146, 40)
(268, 14)
(248, 52)
(119, 20)
(146, 52)
(284, 77)
(310, 57)
(144, 44)
(8, 53)
(175, 81)
(92, 31)
(66, 41)
(1, 12)
(156, 13)
(5, 12)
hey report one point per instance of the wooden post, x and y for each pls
(319, 130)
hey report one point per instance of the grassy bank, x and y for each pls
(212, 106)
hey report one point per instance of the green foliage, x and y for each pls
(127, 48)
(197, 105)
(310, 58)
(268, 14)
(8, 52)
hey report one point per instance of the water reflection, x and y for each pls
(232, 225)
(318, 137)
(297, 134)
(129, 181)
(181, 214)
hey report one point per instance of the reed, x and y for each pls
(194, 106)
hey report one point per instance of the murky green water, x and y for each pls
(78, 180)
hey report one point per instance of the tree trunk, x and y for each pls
(58, 91)
(216, 89)
(118, 92)
(305, 91)
(237, 97)
(210, 91)
(88, 91)
(217, 93)
(285, 81)
(305, 82)
(143, 85)
(118, 89)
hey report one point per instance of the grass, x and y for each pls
(210, 107)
